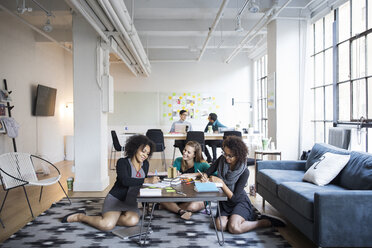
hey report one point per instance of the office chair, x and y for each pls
(232, 133)
(193, 136)
(156, 135)
(116, 147)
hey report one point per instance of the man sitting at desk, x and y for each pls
(188, 127)
(212, 118)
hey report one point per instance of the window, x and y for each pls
(353, 66)
(322, 60)
(261, 86)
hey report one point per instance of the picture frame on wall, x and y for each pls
(2, 127)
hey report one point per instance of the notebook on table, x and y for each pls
(206, 187)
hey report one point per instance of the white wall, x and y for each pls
(25, 63)
(210, 75)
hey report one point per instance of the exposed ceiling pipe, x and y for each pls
(211, 30)
(80, 8)
(101, 15)
(92, 14)
(243, 7)
(35, 28)
(122, 56)
(246, 40)
(49, 13)
(108, 8)
(127, 22)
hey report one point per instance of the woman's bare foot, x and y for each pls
(186, 215)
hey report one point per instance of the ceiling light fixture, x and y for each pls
(238, 27)
(47, 26)
(253, 7)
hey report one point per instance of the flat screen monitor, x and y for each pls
(45, 101)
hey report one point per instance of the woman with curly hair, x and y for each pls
(120, 205)
(237, 213)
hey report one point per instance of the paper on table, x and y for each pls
(150, 192)
(157, 185)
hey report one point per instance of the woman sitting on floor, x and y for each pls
(120, 205)
(189, 164)
(237, 213)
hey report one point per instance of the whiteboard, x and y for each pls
(135, 108)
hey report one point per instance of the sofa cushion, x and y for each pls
(319, 149)
(300, 196)
(357, 174)
(271, 178)
(326, 169)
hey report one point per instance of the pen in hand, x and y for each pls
(202, 176)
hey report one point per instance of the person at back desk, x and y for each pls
(183, 116)
(212, 118)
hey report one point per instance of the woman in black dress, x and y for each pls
(237, 213)
(120, 205)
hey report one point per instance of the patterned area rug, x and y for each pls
(169, 231)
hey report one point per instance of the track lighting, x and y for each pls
(47, 26)
(238, 27)
(253, 7)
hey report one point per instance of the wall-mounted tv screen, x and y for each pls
(45, 101)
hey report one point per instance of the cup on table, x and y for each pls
(265, 144)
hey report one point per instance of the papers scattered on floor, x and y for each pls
(205, 187)
(150, 192)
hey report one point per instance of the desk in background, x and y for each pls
(207, 136)
(191, 196)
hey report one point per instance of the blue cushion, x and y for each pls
(357, 173)
(271, 178)
(300, 196)
(319, 149)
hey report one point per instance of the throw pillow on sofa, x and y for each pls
(319, 149)
(326, 168)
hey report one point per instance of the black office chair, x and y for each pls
(232, 133)
(116, 147)
(193, 136)
(156, 135)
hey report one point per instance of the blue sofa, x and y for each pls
(335, 215)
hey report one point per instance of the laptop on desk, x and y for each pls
(180, 128)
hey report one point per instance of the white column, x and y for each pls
(90, 123)
(283, 44)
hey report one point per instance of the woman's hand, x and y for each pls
(152, 180)
(215, 179)
(204, 177)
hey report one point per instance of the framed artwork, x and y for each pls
(2, 127)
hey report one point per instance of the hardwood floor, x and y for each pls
(16, 213)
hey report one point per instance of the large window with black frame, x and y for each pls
(342, 65)
(261, 96)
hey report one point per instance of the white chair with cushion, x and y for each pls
(18, 170)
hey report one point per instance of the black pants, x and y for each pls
(213, 144)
